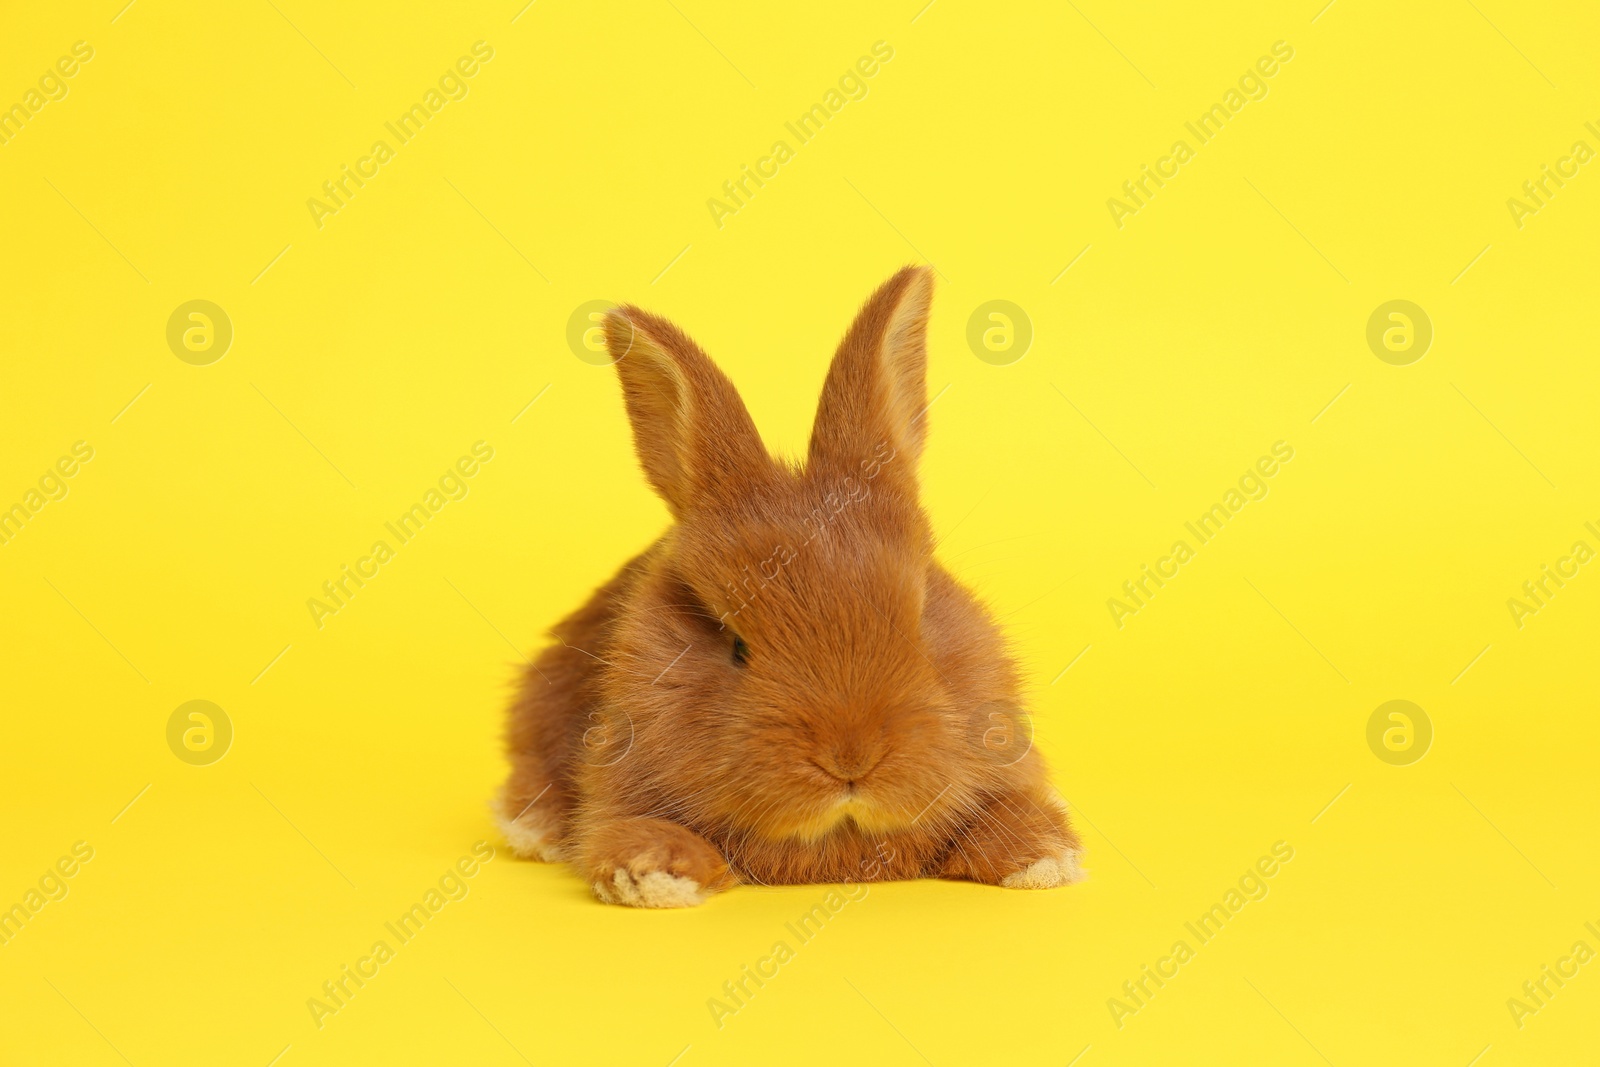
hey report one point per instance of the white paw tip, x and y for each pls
(1047, 873)
(529, 836)
(653, 889)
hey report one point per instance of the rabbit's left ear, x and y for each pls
(693, 435)
(876, 395)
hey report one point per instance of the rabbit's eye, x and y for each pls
(741, 651)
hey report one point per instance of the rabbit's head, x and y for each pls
(790, 657)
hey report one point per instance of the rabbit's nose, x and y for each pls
(849, 763)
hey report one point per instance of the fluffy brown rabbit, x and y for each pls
(786, 687)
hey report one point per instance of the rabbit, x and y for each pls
(786, 687)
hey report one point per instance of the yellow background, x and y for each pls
(430, 311)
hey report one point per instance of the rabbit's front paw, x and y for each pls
(649, 889)
(652, 863)
(1050, 872)
(1020, 840)
(533, 830)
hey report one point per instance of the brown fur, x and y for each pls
(876, 729)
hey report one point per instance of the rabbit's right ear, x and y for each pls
(876, 394)
(695, 440)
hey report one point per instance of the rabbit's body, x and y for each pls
(786, 687)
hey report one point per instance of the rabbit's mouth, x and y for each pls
(849, 805)
(855, 806)
(833, 794)
(851, 802)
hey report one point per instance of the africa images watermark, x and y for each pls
(1137, 993)
(51, 486)
(1252, 486)
(339, 991)
(1538, 192)
(452, 85)
(51, 87)
(52, 886)
(352, 578)
(1537, 992)
(739, 992)
(833, 504)
(852, 85)
(1538, 592)
(1252, 85)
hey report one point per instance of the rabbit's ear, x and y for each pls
(694, 437)
(876, 394)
